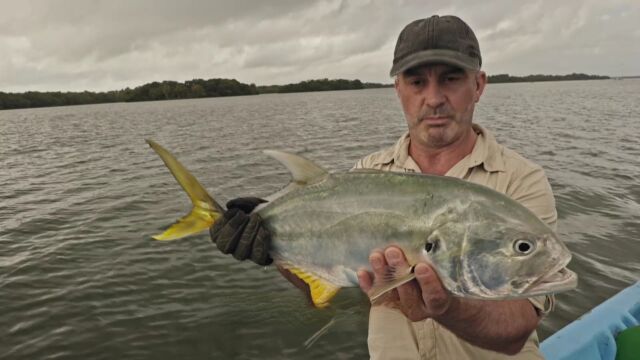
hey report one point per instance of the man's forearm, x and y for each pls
(501, 326)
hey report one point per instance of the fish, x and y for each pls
(323, 226)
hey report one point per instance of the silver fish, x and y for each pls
(481, 243)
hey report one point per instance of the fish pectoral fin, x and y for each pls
(393, 278)
(196, 221)
(320, 291)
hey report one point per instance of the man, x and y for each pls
(438, 81)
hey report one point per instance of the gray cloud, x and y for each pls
(103, 45)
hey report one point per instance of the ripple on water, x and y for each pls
(82, 192)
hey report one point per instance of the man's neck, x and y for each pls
(439, 161)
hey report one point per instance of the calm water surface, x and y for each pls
(81, 192)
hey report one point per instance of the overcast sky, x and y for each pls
(95, 45)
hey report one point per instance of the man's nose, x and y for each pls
(433, 95)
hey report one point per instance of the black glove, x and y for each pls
(240, 232)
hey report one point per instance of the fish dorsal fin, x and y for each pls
(320, 291)
(368, 171)
(303, 171)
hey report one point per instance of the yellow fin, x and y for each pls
(320, 291)
(194, 222)
(205, 210)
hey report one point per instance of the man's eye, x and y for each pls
(416, 82)
(452, 78)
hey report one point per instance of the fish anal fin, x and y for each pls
(320, 291)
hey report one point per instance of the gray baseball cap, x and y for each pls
(437, 39)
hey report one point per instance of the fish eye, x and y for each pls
(431, 245)
(523, 247)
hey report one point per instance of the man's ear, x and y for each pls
(396, 82)
(481, 82)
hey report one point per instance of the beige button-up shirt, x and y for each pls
(391, 334)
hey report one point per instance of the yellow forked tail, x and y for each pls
(205, 210)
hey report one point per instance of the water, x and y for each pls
(81, 192)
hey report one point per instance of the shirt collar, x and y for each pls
(401, 155)
(486, 152)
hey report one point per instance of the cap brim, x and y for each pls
(438, 56)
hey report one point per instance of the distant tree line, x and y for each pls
(32, 99)
(370, 85)
(320, 85)
(165, 90)
(199, 88)
(168, 90)
(506, 78)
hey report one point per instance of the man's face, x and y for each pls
(438, 102)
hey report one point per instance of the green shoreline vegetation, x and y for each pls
(199, 88)
(506, 78)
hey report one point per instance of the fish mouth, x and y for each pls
(557, 280)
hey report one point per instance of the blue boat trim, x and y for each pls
(593, 336)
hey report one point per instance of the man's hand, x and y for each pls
(240, 232)
(498, 325)
(418, 300)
